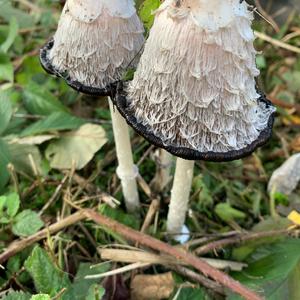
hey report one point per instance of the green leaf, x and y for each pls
(191, 294)
(13, 265)
(228, 213)
(40, 101)
(119, 215)
(146, 12)
(2, 203)
(12, 34)
(5, 111)
(12, 203)
(271, 270)
(40, 297)
(27, 223)
(6, 68)
(82, 285)
(293, 80)
(47, 278)
(25, 158)
(76, 148)
(261, 62)
(95, 292)
(205, 198)
(57, 121)
(4, 161)
(242, 252)
(7, 12)
(31, 68)
(293, 283)
(17, 296)
(4, 220)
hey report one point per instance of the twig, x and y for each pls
(153, 208)
(276, 43)
(186, 257)
(100, 197)
(14, 177)
(144, 185)
(208, 238)
(266, 16)
(30, 5)
(20, 245)
(58, 296)
(238, 240)
(133, 256)
(54, 196)
(284, 104)
(88, 235)
(121, 270)
(198, 278)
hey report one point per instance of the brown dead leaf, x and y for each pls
(154, 287)
(295, 145)
(291, 120)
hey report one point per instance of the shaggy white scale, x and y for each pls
(195, 84)
(96, 41)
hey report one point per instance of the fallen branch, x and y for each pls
(217, 245)
(134, 256)
(183, 256)
(20, 245)
(204, 281)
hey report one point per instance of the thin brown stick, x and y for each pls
(153, 208)
(133, 256)
(20, 245)
(144, 186)
(212, 285)
(54, 196)
(276, 43)
(186, 257)
(267, 16)
(238, 240)
(283, 104)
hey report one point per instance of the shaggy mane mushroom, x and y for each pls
(194, 91)
(94, 44)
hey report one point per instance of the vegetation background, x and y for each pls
(46, 169)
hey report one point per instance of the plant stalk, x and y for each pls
(180, 195)
(126, 171)
(163, 173)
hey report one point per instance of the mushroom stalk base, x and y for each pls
(126, 171)
(180, 195)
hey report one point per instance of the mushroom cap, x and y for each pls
(95, 43)
(188, 153)
(194, 91)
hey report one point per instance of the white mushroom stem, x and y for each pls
(180, 195)
(163, 173)
(127, 171)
